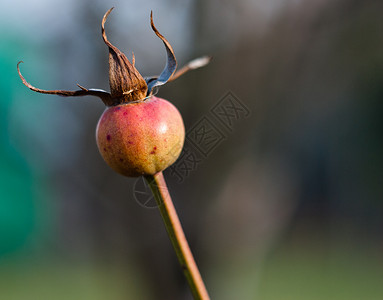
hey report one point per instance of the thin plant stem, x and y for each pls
(176, 234)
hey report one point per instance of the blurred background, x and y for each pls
(287, 206)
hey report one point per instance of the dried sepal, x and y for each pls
(169, 73)
(105, 96)
(126, 83)
(191, 65)
(171, 63)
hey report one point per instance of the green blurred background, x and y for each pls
(288, 206)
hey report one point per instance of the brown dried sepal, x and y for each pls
(105, 96)
(126, 83)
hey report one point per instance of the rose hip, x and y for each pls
(138, 134)
(140, 138)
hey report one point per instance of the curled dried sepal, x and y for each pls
(105, 96)
(126, 83)
(171, 63)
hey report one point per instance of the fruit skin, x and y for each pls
(140, 138)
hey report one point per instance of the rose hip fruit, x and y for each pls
(138, 134)
(140, 138)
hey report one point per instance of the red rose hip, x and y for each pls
(140, 138)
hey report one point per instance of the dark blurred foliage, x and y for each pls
(297, 184)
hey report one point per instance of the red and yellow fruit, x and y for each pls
(140, 138)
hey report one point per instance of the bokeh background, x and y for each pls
(287, 206)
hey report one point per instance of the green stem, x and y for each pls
(176, 234)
